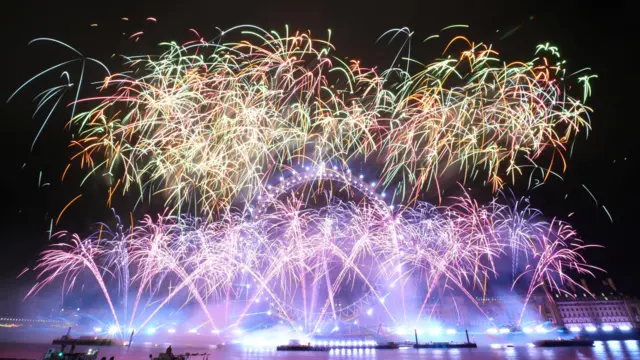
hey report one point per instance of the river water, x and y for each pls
(629, 349)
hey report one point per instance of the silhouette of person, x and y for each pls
(169, 351)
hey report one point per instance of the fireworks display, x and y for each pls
(305, 260)
(206, 126)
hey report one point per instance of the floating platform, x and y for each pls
(559, 343)
(387, 346)
(165, 356)
(83, 342)
(302, 348)
(52, 354)
(446, 345)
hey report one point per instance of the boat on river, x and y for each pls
(562, 342)
(302, 348)
(446, 345)
(295, 345)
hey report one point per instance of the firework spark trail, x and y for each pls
(205, 122)
(69, 260)
(557, 255)
(286, 252)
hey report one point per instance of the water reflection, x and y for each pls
(601, 350)
(550, 353)
(510, 352)
(614, 345)
(631, 345)
(353, 353)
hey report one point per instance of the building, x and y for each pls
(605, 308)
(594, 307)
(19, 322)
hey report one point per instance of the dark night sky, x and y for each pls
(599, 36)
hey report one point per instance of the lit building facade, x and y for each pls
(594, 308)
(16, 322)
(606, 310)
